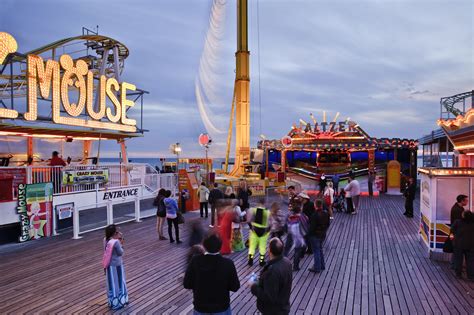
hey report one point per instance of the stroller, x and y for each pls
(339, 203)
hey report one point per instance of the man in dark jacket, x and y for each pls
(463, 231)
(211, 277)
(243, 196)
(273, 289)
(458, 208)
(318, 225)
(409, 194)
(214, 196)
(308, 210)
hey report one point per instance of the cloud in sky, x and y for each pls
(383, 63)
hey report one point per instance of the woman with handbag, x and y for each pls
(328, 198)
(117, 294)
(172, 213)
(160, 213)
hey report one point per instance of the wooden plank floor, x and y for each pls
(375, 264)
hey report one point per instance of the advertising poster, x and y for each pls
(75, 177)
(17, 176)
(35, 204)
(65, 211)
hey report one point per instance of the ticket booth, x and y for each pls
(438, 191)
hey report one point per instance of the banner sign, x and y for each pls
(75, 177)
(35, 210)
(65, 211)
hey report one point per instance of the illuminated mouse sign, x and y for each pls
(54, 80)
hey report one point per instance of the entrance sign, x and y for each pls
(35, 210)
(55, 79)
(75, 177)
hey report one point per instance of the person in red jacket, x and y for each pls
(56, 160)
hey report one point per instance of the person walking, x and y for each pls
(214, 196)
(458, 208)
(203, 194)
(277, 221)
(273, 288)
(322, 184)
(292, 197)
(352, 197)
(328, 198)
(370, 182)
(463, 236)
(112, 261)
(297, 229)
(335, 182)
(160, 213)
(211, 277)
(318, 225)
(259, 231)
(172, 216)
(308, 210)
(409, 195)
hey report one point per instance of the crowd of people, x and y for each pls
(301, 230)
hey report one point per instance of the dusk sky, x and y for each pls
(385, 64)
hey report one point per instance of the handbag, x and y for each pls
(448, 246)
(180, 217)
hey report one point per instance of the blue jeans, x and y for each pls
(226, 312)
(317, 245)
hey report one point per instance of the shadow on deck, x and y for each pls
(375, 264)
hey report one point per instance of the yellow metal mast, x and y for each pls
(229, 133)
(242, 92)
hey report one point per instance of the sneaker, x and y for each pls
(355, 212)
(211, 226)
(313, 270)
(178, 242)
(331, 218)
(171, 240)
(162, 238)
(409, 216)
(262, 263)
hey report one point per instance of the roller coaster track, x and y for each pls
(449, 103)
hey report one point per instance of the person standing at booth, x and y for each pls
(370, 182)
(56, 171)
(203, 194)
(409, 194)
(463, 232)
(353, 192)
(458, 208)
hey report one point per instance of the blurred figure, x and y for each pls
(226, 215)
(370, 182)
(409, 195)
(335, 182)
(237, 237)
(292, 197)
(243, 195)
(197, 233)
(328, 198)
(297, 230)
(277, 221)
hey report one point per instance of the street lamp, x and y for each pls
(264, 144)
(176, 149)
(205, 141)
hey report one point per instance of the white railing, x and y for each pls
(119, 175)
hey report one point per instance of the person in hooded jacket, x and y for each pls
(172, 216)
(211, 277)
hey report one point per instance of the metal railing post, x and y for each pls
(110, 213)
(137, 210)
(75, 224)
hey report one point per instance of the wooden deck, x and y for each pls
(375, 264)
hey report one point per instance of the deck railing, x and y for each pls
(119, 175)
